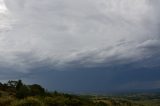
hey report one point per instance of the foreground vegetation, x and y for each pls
(16, 93)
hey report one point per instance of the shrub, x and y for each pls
(73, 102)
(58, 101)
(22, 92)
(101, 104)
(36, 90)
(30, 101)
(6, 101)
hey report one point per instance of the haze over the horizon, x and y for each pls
(81, 45)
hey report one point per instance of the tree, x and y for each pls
(19, 84)
(36, 89)
(22, 92)
(11, 83)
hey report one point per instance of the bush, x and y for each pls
(30, 101)
(73, 102)
(36, 90)
(6, 101)
(22, 92)
(101, 104)
(58, 101)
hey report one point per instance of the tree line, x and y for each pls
(21, 90)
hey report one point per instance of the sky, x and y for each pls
(81, 45)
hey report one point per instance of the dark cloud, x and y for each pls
(42, 36)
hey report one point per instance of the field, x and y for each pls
(130, 100)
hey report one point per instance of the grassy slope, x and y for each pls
(15, 93)
(7, 99)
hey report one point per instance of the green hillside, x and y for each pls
(16, 93)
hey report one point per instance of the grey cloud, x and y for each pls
(88, 33)
(121, 54)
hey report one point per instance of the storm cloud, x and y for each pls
(78, 34)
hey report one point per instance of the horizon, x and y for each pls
(81, 45)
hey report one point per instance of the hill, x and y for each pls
(16, 93)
